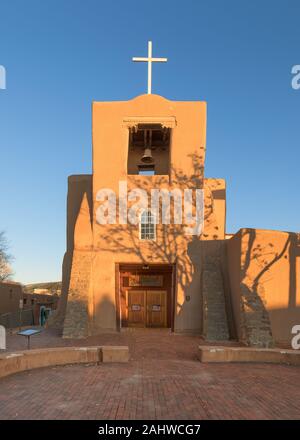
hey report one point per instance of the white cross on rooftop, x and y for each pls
(150, 60)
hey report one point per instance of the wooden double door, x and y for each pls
(146, 308)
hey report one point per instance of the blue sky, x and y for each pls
(60, 55)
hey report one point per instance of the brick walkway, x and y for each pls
(162, 381)
(150, 343)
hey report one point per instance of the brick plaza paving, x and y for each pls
(163, 380)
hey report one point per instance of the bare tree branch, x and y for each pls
(5, 259)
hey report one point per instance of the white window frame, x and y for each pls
(154, 225)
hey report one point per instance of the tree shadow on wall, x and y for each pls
(171, 245)
(252, 286)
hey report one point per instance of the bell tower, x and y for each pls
(147, 272)
(149, 149)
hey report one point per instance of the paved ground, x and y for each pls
(141, 342)
(162, 381)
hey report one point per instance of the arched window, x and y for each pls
(147, 225)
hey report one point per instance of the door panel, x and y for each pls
(136, 308)
(156, 308)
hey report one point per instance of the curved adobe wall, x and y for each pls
(247, 354)
(11, 363)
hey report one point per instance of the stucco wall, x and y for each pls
(10, 295)
(267, 277)
(120, 243)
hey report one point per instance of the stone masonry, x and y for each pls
(255, 322)
(215, 324)
(76, 320)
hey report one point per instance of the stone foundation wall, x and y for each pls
(76, 324)
(216, 310)
(215, 323)
(256, 328)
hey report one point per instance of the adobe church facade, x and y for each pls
(244, 286)
(139, 274)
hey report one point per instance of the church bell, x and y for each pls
(147, 157)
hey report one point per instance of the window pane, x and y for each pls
(147, 226)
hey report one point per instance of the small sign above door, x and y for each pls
(146, 280)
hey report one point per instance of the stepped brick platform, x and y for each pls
(164, 380)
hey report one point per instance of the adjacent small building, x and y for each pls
(19, 307)
(10, 295)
